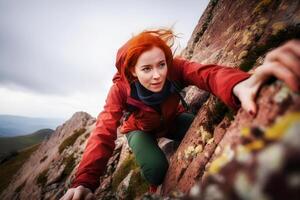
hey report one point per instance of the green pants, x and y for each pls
(149, 156)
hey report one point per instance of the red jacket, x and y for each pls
(213, 78)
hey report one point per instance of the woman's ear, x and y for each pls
(132, 71)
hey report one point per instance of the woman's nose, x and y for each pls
(156, 74)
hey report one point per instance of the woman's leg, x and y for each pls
(180, 126)
(149, 156)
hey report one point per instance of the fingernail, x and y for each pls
(251, 112)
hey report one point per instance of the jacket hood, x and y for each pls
(120, 65)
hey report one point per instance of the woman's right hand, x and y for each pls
(283, 63)
(78, 193)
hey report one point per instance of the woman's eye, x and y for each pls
(162, 64)
(146, 69)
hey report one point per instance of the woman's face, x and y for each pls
(151, 69)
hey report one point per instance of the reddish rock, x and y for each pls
(232, 34)
(53, 165)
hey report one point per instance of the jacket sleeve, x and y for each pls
(216, 79)
(100, 144)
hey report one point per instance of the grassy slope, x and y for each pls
(8, 144)
(9, 168)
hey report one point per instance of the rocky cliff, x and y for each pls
(230, 155)
(225, 154)
(48, 170)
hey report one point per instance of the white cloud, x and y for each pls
(60, 54)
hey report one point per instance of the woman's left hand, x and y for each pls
(283, 63)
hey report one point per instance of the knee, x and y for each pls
(155, 171)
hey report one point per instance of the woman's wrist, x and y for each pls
(237, 89)
(240, 87)
(253, 82)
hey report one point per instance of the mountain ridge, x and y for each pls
(14, 125)
(10, 144)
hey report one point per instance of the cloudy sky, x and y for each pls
(57, 56)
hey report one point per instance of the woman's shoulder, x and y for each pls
(176, 70)
(178, 60)
(121, 88)
(119, 85)
(180, 63)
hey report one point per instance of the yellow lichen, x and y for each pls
(192, 151)
(189, 152)
(255, 145)
(254, 29)
(276, 131)
(230, 53)
(210, 141)
(198, 148)
(221, 161)
(205, 135)
(260, 6)
(217, 164)
(246, 38)
(242, 54)
(277, 27)
(245, 132)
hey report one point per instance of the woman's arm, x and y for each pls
(283, 63)
(216, 79)
(101, 144)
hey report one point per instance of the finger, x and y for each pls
(248, 104)
(284, 74)
(90, 196)
(68, 195)
(292, 45)
(291, 61)
(77, 194)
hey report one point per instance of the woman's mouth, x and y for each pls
(156, 83)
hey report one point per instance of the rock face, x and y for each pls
(237, 34)
(225, 154)
(48, 171)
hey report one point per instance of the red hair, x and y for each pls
(144, 41)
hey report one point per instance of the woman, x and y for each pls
(146, 87)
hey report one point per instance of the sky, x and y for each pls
(57, 56)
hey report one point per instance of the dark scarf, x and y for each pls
(154, 98)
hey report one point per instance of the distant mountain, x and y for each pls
(9, 144)
(11, 125)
